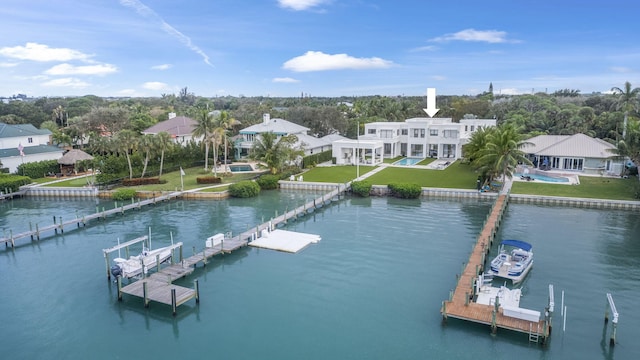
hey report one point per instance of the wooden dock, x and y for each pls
(60, 225)
(10, 195)
(159, 287)
(460, 304)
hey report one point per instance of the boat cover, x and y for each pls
(518, 243)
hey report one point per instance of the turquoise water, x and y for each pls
(407, 161)
(370, 289)
(240, 168)
(545, 177)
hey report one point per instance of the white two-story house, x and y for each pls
(415, 137)
(24, 143)
(280, 127)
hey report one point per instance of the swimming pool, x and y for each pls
(407, 161)
(240, 168)
(545, 178)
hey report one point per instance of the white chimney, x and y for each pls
(266, 118)
(172, 115)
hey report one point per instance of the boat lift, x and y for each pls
(614, 322)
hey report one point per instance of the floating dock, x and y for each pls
(461, 303)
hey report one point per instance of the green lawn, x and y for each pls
(334, 174)
(456, 175)
(589, 187)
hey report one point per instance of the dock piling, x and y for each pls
(173, 301)
(196, 286)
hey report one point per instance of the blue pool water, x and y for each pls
(545, 178)
(407, 161)
(240, 168)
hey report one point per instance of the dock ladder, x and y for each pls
(534, 336)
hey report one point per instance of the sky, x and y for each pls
(328, 48)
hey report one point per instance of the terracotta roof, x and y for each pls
(177, 126)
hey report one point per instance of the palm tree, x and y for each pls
(127, 141)
(477, 143)
(629, 146)
(164, 142)
(273, 151)
(503, 152)
(148, 143)
(627, 101)
(204, 129)
(226, 122)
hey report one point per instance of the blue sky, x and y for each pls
(316, 47)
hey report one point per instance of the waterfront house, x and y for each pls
(415, 137)
(280, 127)
(24, 143)
(575, 153)
(179, 127)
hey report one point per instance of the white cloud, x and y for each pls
(66, 82)
(621, 69)
(43, 53)
(162, 67)
(490, 36)
(8, 65)
(128, 92)
(155, 85)
(424, 48)
(319, 61)
(299, 5)
(509, 91)
(439, 77)
(147, 12)
(285, 80)
(68, 69)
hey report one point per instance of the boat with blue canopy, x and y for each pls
(514, 260)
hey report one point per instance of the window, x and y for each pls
(416, 133)
(433, 132)
(466, 128)
(30, 140)
(450, 133)
(471, 128)
(371, 131)
(416, 150)
(405, 132)
(422, 132)
(573, 164)
(386, 134)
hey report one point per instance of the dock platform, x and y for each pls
(460, 304)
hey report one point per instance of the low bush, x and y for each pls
(12, 183)
(244, 189)
(143, 181)
(209, 180)
(361, 188)
(268, 182)
(405, 191)
(123, 194)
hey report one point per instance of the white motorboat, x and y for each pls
(141, 263)
(514, 260)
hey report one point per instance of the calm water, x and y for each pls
(370, 289)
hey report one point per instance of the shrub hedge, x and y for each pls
(244, 189)
(405, 191)
(123, 194)
(38, 169)
(143, 181)
(268, 182)
(12, 183)
(209, 180)
(361, 188)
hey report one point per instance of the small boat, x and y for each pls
(135, 266)
(514, 260)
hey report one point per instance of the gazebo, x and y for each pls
(69, 160)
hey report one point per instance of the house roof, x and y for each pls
(278, 126)
(21, 130)
(333, 137)
(578, 145)
(311, 142)
(177, 126)
(73, 156)
(30, 150)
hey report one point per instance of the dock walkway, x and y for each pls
(60, 225)
(460, 304)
